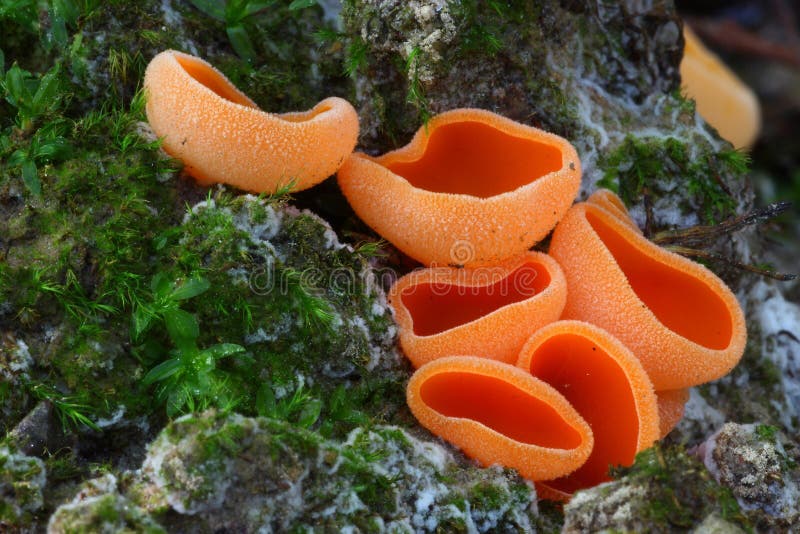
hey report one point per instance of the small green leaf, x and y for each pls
(240, 40)
(16, 87)
(213, 8)
(254, 7)
(160, 285)
(181, 326)
(17, 158)
(222, 350)
(53, 150)
(57, 33)
(301, 4)
(176, 400)
(310, 413)
(265, 401)
(68, 10)
(190, 288)
(30, 175)
(161, 371)
(141, 321)
(46, 94)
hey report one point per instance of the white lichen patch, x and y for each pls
(188, 488)
(778, 322)
(281, 478)
(607, 506)
(608, 118)
(113, 419)
(427, 27)
(22, 481)
(103, 512)
(754, 464)
(16, 361)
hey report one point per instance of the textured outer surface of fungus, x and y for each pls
(722, 98)
(671, 405)
(499, 414)
(490, 311)
(471, 187)
(677, 317)
(222, 136)
(608, 387)
(613, 204)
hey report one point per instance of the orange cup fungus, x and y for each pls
(614, 205)
(223, 137)
(670, 409)
(680, 320)
(489, 311)
(607, 386)
(723, 100)
(472, 187)
(499, 414)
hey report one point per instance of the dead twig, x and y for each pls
(691, 242)
(700, 235)
(713, 256)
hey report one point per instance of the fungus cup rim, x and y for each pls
(416, 149)
(450, 275)
(517, 378)
(668, 259)
(314, 115)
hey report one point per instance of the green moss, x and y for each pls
(21, 483)
(643, 165)
(681, 492)
(376, 477)
(766, 432)
(104, 513)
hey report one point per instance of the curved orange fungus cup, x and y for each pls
(614, 205)
(606, 385)
(680, 320)
(489, 311)
(499, 414)
(472, 187)
(671, 405)
(722, 98)
(223, 137)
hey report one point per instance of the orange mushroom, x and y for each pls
(676, 316)
(222, 136)
(499, 414)
(489, 311)
(671, 405)
(723, 100)
(471, 187)
(613, 204)
(607, 386)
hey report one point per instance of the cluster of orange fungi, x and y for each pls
(557, 365)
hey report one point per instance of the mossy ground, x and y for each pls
(129, 295)
(99, 255)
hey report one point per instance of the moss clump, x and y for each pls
(654, 166)
(103, 513)
(687, 491)
(22, 481)
(306, 309)
(759, 465)
(665, 489)
(214, 465)
(407, 57)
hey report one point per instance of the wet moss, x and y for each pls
(682, 491)
(644, 166)
(22, 479)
